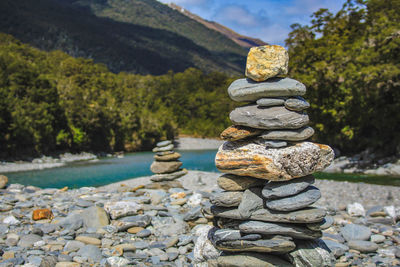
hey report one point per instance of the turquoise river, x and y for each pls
(111, 170)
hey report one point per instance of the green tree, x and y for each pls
(349, 63)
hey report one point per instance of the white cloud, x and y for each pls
(236, 15)
(307, 7)
(239, 16)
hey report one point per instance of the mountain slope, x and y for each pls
(241, 40)
(124, 35)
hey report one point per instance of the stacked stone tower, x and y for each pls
(263, 215)
(166, 166)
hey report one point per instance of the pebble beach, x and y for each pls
(141, 223)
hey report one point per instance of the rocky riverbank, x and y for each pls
(45, 162)
(141, 223)
(366, 163)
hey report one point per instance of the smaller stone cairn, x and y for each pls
(263, 215)
(166, 166)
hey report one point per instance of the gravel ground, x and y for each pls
(139, 223)
(334, 194)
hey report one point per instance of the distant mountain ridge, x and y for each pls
(138, 36)
(241, 40)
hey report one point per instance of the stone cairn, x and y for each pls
(263, 215)
(166, 166)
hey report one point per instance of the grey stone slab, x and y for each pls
(289, 135)
(285, 229)
(269, 118)
(303, 199)
(246, 90)
(292, 187)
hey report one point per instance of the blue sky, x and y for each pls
(268, 20)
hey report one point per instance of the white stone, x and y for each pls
(39, 243)
(204, 249)
(11, 220)
(355, 209)
(122, 208)
(195, 199)
(391, 211)
(117, 262)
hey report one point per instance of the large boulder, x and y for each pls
(254, 159)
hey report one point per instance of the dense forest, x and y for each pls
(52, 101)
(349, 61)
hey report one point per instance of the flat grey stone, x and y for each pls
(193, 214)
(232, 235)
(73, 222)
(307, 215)
(91, 252)
(309, 253)
(246, 90)
(231, 182)
(144, 233)
(324, 224)
(292, 187)
(363, 246)
(95, 217)
(269, 118)
(161, 167)
(163, 143)
(168, 176)
(270, 102)
(133, 221)
(227, 199)
(303, 199)
(335, 237)
(285, 229)
(163, 153)
(355, 232)
(336, 248)
(262, 245)
(377, 238)
(252, 260)
(289, 135)
(28, 240)
(251, 201)
(296, 103)
(164, 148)
(73, 245)
(275, 144)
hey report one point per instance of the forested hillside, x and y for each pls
(350, 64)
(52, 101)
(138, 36)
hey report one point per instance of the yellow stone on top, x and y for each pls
(264, 62)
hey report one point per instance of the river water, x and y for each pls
(111, 170)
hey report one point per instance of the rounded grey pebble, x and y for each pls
(143, 233)
(355, 232)
(363, 246)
